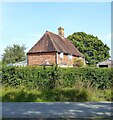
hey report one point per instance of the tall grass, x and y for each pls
(80, 92)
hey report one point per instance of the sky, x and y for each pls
(26, 22)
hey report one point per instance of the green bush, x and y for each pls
(100, 78)
(78, 63)
(52, 77)
(30, 76)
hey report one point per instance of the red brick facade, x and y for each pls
(65, 60)
(51, 57)
(40, 58)
(53, 49)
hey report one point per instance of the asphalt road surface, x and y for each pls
(56, 109)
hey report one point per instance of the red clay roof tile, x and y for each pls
(51, 42)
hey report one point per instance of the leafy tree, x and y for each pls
(14, 54)
(90, 46)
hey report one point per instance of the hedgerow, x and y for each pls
(51, 77)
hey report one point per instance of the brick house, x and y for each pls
(53, 49)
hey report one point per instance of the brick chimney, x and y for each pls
(61, 31)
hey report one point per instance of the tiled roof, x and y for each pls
(106, 62)
(51, 42)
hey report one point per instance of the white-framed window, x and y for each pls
(70, 57)
(61, 55)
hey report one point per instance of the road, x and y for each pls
(56, 109)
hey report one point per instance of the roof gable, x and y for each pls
(108, 61)
(51, 42)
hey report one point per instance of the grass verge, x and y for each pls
(78, 93)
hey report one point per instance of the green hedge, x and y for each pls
(51, 77)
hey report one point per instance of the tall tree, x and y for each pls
(14, 54)
(90, 46)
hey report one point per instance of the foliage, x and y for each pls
(42, 77)
(0, 62)
(78, 62)
(10, 94)
(14, 54)
(90, 46)
(53, 77)
(54, 84)
(78, 93)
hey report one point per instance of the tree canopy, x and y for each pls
(93, 49)
(13, 54)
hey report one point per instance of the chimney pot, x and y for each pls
(61, 31)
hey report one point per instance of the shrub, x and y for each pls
(100, 78)
(52, 77)
(78, 62)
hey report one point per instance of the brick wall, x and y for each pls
(65, 60)
(40, 58)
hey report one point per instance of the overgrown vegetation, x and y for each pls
(90, 46)
(56, 84)
(78, 63)
(74, 94)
